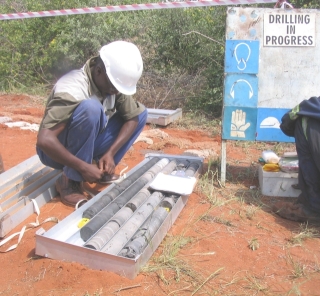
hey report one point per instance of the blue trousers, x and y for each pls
(308, 150)
(89, 134)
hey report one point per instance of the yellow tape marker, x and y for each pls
(83, 222)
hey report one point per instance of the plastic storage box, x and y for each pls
(278, 183)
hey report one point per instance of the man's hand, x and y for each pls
(106, 164)
(238, 124)
(92, 173)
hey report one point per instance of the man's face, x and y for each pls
(103, 82)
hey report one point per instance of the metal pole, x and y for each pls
(223, 162)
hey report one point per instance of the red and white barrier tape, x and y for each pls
(132, 7)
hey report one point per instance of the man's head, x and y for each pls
(122, 63)
(102, 80)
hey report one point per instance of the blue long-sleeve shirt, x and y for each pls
(307, 108)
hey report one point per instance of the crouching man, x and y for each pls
(303, 123)
(91, 119)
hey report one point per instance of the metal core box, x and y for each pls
(18, 185)
(163, 116)
(63, 241)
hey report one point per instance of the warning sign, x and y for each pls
(289, 29)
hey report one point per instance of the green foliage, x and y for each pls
(40, 50)
(305, 3)
(183, 49)
(181, 63)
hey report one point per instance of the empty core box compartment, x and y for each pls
(65, 241)
(18, 185)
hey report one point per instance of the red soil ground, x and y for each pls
(216, 258)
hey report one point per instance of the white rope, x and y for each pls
(122, 172)
(81, 202)
(26, 228)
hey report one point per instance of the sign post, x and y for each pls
(272, 63)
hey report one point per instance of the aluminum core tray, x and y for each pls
(163, 116)
(63, 241)
(18, 186)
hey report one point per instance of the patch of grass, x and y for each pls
(254, 244)
(294, 291)
(218, 220)
(251, 197)
(238, 173)
(212, 275)
(251, 211)
(36, 90)
(245, 174)
(298, 269)
(153, 126)
(209, 185)
(255, 284)
(256, 195)
(168, 260)
(97, 293)
(169, 266)
(259, 226)
(305, 232)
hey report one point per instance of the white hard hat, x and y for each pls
(123, 63)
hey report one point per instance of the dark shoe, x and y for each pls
(70, 191)
(295, 212)
(108, 179)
